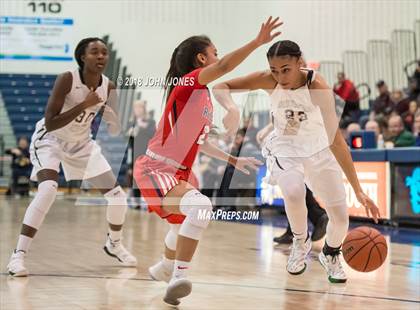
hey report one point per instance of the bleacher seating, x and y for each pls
(25, 97)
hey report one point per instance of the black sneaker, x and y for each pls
(286, 238)
(320, 228)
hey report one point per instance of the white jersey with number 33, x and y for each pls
(79, 128)
(299, 129)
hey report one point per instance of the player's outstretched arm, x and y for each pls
(233, 59)
(222, 93)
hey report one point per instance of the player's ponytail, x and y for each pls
(184, 60)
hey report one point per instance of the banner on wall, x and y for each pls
(406, 190)
(36, 38)
(375, 181)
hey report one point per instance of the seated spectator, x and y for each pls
(397, 134)
(408, 116)
(374, 126)
(349, 129)
(383, 125)
(416, 127)
(348, 92)
(383, 105)
(401, 102)
(397, 95)
(21, 168)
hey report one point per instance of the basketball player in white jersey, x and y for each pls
(63, 137)
(303, 144)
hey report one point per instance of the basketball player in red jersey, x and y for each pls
(164, 174)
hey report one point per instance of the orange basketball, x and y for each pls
(364, 249)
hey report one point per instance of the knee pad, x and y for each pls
(197, 209)
(40, 205)
(117, 206)
(294, 193)
(172, 236)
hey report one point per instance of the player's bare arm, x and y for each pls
(323, 96)
(54, 119)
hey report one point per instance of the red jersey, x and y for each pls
(185, 123)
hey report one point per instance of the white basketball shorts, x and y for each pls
(80, 160)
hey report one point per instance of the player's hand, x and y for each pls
(371, 209)
(92, 99)
(231, 121)
(242, 163)
(265, 35)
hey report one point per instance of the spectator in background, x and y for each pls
(212, 169)
(141, 130)
(383, 105)
(251, 131)
(374, 126)
(400, 101)
(415, 83)
(349, 129)
(383, 125)
(238, 184)
(348, 92)
(416, 127)
(408, 116)
(245, 185)
(397, 134)
(21, 168)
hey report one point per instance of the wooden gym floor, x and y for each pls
(236, 267)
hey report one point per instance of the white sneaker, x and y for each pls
(16, 267)
(159, 272)
(117, 250)
(296, 263)
(333, 266)
(177, 288)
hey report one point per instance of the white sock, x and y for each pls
(115, 235)
(24, 242)
(180, 269)
(168, 263)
